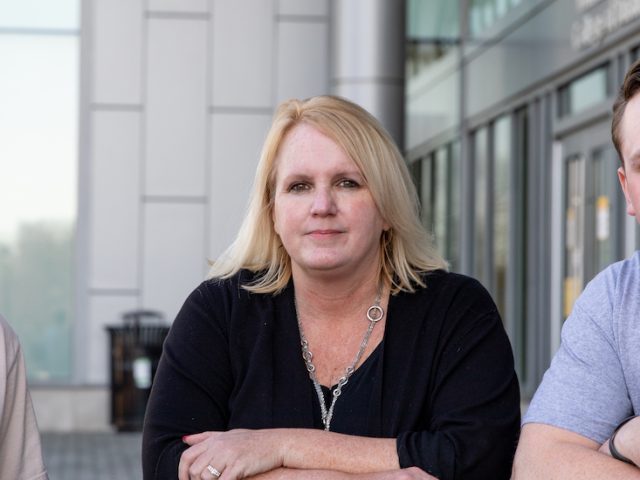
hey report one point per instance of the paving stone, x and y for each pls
(92, 456)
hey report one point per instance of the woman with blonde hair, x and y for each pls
(330, 341)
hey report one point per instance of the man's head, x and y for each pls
(625, 133)
(630, 86)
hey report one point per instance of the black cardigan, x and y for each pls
(446, 389)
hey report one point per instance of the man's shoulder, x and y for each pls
(627, 272)
(614, 286)
(585, 390)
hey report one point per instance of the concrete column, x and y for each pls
(369, 60)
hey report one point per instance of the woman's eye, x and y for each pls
(347, 183)
(298, 187)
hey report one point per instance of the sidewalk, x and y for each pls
(92, 456)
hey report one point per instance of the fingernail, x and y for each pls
(184, 438)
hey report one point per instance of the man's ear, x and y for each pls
(622, 176)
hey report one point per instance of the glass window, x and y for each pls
(432, 19)
(39, 76)
(604, 190)
(453, 253)
(433, 30)
(441, 204)
(519, 270)
(501, 174)
(481, 174)
(427, 192)
(488, 14)
(416, 174)
(483, 14)
(501, 8)
(500, 153)
(573, 232)
(584, 92)
(439, 197)
(40, 14)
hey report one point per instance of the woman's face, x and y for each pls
(323, 211)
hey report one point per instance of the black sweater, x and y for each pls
(445, 387)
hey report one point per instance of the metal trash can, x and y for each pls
(135, 348)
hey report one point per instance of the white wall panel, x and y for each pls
(303, 62)
(117, 51)
(243, 53)
(190, 6)
(176, 107)
(303, 7)
(114, 200)
(174, 258)
(103, 311)
(237, 141)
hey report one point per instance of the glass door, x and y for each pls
(574, 201)
(592, 225)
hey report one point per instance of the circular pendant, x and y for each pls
(375, 313)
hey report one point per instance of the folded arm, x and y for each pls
(244, 453)
(241, 453)
(627, 441)
(412, 473)
(555, 453)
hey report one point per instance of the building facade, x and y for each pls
(502, 108)
(508, 135)
(175, 101)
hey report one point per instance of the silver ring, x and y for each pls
(213, 471)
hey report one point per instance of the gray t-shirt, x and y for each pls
(593, 382)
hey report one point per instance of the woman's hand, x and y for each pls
(235, 454)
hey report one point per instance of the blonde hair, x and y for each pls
(406, 249)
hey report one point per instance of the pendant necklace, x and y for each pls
(375, 313)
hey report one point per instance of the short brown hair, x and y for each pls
(630, 86)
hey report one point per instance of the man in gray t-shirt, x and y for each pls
(593, 385)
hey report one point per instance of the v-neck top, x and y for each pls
(441, 382)
(351, 412)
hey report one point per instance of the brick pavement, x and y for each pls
(92, 456)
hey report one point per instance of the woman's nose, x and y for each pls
(323, 202)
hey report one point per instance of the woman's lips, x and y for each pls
(324, 232)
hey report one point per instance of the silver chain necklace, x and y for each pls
(375, 313)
